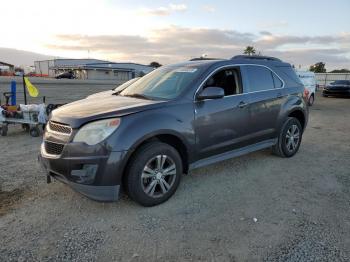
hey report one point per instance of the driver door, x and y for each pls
(221, 124)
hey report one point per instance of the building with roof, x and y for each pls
(6, 68)
(92, 69)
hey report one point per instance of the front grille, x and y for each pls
(65, 129)
(53, 148)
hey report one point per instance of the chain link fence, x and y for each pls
(323, 79)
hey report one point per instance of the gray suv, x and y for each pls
(141, 138)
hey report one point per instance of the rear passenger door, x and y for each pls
(266, 97)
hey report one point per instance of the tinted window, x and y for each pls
(260, 78)
(277, 82)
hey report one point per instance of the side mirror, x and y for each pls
(211, 92)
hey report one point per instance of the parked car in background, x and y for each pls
(337, 88)
(174, 119)
(19, 73)
(67, 75)
(309, 81)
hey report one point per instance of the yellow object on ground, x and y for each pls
(32, 90)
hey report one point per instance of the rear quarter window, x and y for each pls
(277, 81)
(259, 78)
(289, 75)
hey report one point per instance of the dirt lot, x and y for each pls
(301, 206)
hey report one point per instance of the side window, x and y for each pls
(228, 79)
(277, 82)
(260, 78)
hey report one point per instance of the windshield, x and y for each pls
(125, 85)
(163, 83)
(307, 80)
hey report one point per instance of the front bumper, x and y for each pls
(90, 170)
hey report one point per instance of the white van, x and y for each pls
(309, 80)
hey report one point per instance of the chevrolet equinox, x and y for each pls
(142, 137)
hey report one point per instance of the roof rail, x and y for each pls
(204, 58)
(259, 57)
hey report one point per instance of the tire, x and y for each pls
(324, 95)
(3, 130)
(25, 127)
(288, 144)
(147, 171)
(311, 100)
(34, 131)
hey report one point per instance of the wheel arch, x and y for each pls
(298, 114)
(166, 136)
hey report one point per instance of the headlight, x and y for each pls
(95, 132)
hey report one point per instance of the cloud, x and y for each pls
(179, 7)
(164, 11)
(269, 40)
(174, 43)
(209, 8)
(265, 33)
(334, 58)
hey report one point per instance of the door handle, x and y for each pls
(242, 104)
(279, 95)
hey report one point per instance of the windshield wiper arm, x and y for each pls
(139, 96)
(116, 92)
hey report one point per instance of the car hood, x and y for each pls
(97, 107)
(100, 94)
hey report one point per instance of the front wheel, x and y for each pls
(154, 174)
(289, 139)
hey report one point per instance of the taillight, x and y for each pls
(306, 93)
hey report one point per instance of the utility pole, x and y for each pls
(24, 90)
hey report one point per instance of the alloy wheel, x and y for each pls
(292, 138)
(158, 176)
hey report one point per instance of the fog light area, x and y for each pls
(86, 175)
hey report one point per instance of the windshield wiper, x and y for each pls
(117, 92)
(139, 96)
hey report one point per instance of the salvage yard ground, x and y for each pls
(301, 206)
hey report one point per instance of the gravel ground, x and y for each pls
(253, 208)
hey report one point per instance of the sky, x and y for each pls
(300, 32)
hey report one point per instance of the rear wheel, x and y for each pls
(311, 100)
(289, 138)
(154, 174)
(34, 131)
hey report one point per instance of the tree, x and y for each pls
(318, 68)
(340, 71)
(155, 64)
(249, 50)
